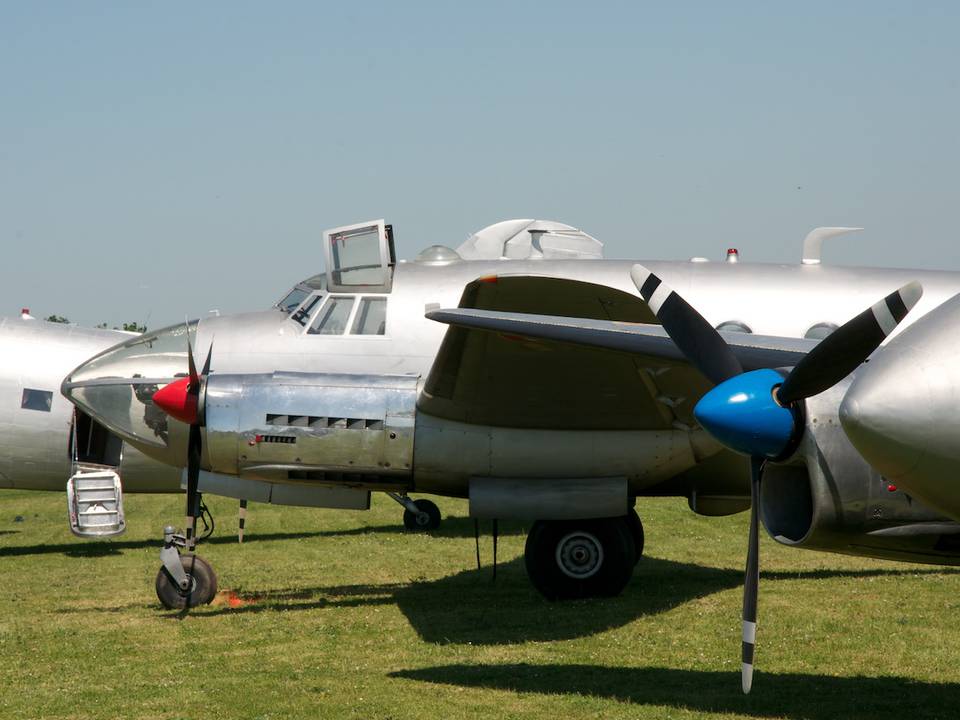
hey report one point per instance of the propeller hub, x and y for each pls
(177, 401)
(743, 415)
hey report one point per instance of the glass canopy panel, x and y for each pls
(293, 299)
(371, 317)
(332, 318)
(359, 257)
(356, 257)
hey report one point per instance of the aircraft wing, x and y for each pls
(491, 378)
(576, 356)
(753, 351)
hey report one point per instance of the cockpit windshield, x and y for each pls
(300, 292)
(293, 299)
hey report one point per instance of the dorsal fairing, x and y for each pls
(527, 239)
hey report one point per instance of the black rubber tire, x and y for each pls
(604, 576)
(429, 520)
(636, 531)
(202, 590)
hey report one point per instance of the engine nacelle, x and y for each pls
(311, 426)
(829, 498)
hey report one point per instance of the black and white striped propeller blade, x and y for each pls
(696, 338)
(751, 579)
(839, 354)
(830, 361)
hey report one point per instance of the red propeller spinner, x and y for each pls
(177, 400)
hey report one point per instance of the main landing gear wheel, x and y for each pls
(202, 588)
(426, 518)
(569, 559)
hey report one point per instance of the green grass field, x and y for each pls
(344, 615)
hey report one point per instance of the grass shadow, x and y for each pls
(452, 527)
(467, 608)
(775, 695)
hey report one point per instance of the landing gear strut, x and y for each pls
(570, 559)
(418, 515)
(185, 581)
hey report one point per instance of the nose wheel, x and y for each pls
(199, 583)
(186, 580)
(183, 581)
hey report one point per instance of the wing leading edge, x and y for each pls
(753, 351)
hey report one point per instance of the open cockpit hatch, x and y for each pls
(360, 258)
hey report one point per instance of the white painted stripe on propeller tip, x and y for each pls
(639, 275)
(659, 296)
(911, 294)
(884, 317)
(746, 678)
(749, 632)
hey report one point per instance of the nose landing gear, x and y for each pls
(183, 581)
(187, 580)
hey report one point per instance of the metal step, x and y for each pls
(95, 503)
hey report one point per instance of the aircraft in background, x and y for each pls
(48, 444)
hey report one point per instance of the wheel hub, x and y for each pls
(579, 555)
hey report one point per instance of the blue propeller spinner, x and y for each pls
(760, 413)
(744, 415)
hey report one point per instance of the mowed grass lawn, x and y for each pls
(344, 615)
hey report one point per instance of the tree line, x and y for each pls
(128, 326)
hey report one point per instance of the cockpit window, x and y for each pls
(41, 400)
(333, 316)
(303, 314)
(293, 299)
(371, 318)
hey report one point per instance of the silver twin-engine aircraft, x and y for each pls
(544, 383)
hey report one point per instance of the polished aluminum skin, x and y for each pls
(901, 412)
(312, 425)
(827, 498)
(276, 376)
(35, 434)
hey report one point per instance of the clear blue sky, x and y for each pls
(163, 159)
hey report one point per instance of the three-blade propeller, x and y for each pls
(181, 400)
(758, 413)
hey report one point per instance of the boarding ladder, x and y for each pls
(94, 497)
(95, 501)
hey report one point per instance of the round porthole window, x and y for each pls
(819, 331)
(734, 326)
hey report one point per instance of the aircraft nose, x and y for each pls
(117, 388)
(886, 413)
